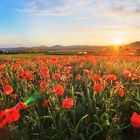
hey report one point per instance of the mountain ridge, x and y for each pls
(134, 45)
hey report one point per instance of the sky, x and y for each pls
(68, 22)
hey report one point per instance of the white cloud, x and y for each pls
(43, 8)
(84, 7)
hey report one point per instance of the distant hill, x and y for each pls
(133, 45)
(72, 47)
(25, 48)
(56, 47)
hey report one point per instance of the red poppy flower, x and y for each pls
(134, 70)
(127, 73)
(119, 89)
(59, 67)
(86, 70)
(59, 90)
(53, 60)
(104, 82)
(112, 77)
(90, 73)
(8, 116)
(105, 77)
(45, 103)
(68, 103)
(4, 82)
(63, 78)
(119, 85)
(97, 87)
(78, 77)
(67, 69)
(28, 75)
(134, 76)
(95, 77)
(44, 71)
(1, 76)
(20, 106)
(1, 67)
(43, 85)
(56, 75)
(135, 120)
(14, 96)
(8, 89)
(70, 76)
(121, 92)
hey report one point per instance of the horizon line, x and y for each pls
(31, 46)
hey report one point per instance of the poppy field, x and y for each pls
(70, 98)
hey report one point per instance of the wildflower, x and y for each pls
(104, 82)
(134, 70)
(43, 85)
(8, 116)
(63, 78)
(119, 89)
(70, 76)
(67, 69)
(86, 70)
(105, 77)
(45, 103)
(134, 76)
(112, 77)
(95, 77)
(135, 120)
(78, 77)
(53, 60)
(20, 106)
(59, 67)
(44, 71)
(90, 73)
(59, 90)
(119, 85)
(1, 76)
(8, 89)
(28, 75)
(4, 82)
(68, 103)
(56, 75)
(121, 92)
(97, 87)
(1, 67)
(127, 73)
(14, 96)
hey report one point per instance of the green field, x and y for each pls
(81, 97)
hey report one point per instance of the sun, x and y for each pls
(117, 41)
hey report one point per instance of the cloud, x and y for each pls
(46, 8)
(86, 8)
(126, 7)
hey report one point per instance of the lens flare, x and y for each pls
(32, 98)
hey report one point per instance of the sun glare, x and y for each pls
(117, 41)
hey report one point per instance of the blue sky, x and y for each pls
(68, 22)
